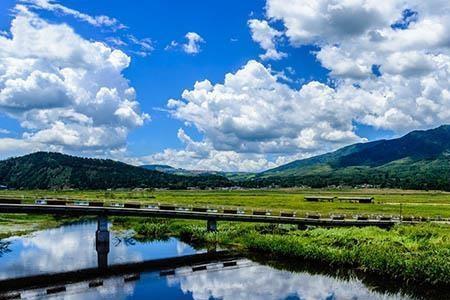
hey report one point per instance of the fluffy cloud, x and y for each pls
(252, 112)
(253, 115)
(396, 52)
(65, 91)
(203, 156)
(192, 46)
(266, 36)
(310, 22)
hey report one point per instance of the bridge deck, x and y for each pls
(74, 210)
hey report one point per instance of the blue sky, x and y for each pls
(314, 91)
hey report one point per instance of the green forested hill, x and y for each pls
(418, 160)
(44, 170)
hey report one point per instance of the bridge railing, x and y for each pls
(214, 209)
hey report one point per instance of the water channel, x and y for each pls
(73, 247)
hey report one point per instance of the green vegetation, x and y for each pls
(43, 170)
(154, 230)
(414, 253)
(387, 202)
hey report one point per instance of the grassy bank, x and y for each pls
(408, 253)
(20, 224)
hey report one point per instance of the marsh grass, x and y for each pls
(153, 230)
(412, 253)
(408, 253)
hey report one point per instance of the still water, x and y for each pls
(72, 247)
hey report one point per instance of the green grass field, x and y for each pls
(387, 202)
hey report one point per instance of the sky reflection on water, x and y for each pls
(73, 247)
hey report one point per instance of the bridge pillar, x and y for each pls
(102, 241)
(302, 227)
(211, 225)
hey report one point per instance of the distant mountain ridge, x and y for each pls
(48, 170)
(186, 172)
(420, 159)
(161, 168)
(172, 170)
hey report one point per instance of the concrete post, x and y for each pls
(102, 241)
(211, 225)
(302, 227)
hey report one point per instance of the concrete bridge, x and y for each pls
(167, 211)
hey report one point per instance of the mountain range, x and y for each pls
(48, 170)
(418, 160)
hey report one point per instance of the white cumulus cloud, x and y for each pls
(202, 156)
(389, 64)
(65, 91)
(252, 115)
(192, 46)
(310, 22)
(396, 52)
(266, 37)
(252, 112)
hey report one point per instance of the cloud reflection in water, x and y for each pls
(263, 282)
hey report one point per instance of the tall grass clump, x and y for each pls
(230, 235)
(411, 253)
(153, 230)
